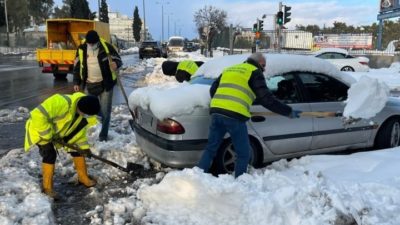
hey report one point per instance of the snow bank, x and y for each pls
(129, 51)
(13, 115)
(156, 76)
(362, 188)
(171, 99)
(366, 98)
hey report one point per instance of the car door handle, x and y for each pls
(257, 119)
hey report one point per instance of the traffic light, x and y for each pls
(279, 18)
(287, 13)
(255, 27)
(260, 25)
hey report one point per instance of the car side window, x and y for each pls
(284, 88)
(322, 88)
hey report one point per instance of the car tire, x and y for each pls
(347, 68)
(224, 161)
(389, 134)
(60, 76)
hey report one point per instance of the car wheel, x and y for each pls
(347, 68)
(225, 159)
(389, 134)
(60, 76)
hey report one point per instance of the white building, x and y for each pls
(121, 26)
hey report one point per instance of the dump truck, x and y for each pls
(63, 38)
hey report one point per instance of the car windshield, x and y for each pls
(145, 44)
(176, 42)
(202, 80)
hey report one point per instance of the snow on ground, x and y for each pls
(366, 98)
(13, 115)
(132, 50)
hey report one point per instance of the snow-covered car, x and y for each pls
(342, 60)
(172, 121)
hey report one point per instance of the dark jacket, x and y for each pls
(258, 85)
(102, 57)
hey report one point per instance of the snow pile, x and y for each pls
(156, 76)
(362, 188)
(30, 56)
(15, 115)
(366, 98)
(21, 200)
(171, 99)
(129, 51)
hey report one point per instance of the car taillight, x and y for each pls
(364, 63)
(170, 126)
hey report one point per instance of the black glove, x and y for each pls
(295, 114)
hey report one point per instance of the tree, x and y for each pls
(2, 16)
(137, 24)
(209, 22)
(80, 9)
(64, 11)
(40, 10)
(103, 15)
(18, 15)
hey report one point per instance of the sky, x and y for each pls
(243, 12)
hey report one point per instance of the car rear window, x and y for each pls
(149, 44)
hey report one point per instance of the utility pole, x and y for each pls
(98, 13)
(162, 18)
(279, 29)
(169, 14)
(144, 23)
(7, 29)
(231, 39)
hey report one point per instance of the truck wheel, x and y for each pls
(60, 75)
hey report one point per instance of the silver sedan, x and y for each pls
(305, 83)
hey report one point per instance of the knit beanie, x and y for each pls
(89, 105)
(92, 37)
(169, 67)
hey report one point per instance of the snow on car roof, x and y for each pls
(276, 64)
(338, 50)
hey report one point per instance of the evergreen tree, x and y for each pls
(40, 10)
(103, 15)
(18, 15)
(64, 11)
(137, 24)
(80, 9)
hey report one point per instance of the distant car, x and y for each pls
(150, 49)
(342, 60)
(305, 83)
(189, 47)
(164, 50)
(176, 44)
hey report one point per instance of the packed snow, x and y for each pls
(132, 50)
(390, 75)
(366, 98)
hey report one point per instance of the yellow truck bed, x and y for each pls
(63, 38)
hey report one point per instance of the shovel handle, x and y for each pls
(312, 114)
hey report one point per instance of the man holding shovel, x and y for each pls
(95, 69)
(62, 119)
(232, 95)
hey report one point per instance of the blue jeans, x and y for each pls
(237, 129)
(105, 99)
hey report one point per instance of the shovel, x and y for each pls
(133, 169)
(312, 114)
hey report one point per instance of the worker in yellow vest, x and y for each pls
(95, 71)
(62, 119)
(232, 95)
(183, 70)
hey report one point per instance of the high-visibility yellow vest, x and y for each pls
(188, 66)
(80, 54)
(53, 120)
(234, 93)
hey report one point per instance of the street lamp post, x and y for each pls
(144, 22)
(162, 19)
(169, 14)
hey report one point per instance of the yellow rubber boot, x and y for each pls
(47, 172)
(80, 166)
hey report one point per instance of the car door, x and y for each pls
(326, 94)
(281, 134)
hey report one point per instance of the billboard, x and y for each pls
(347, 41)
(388, 5)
